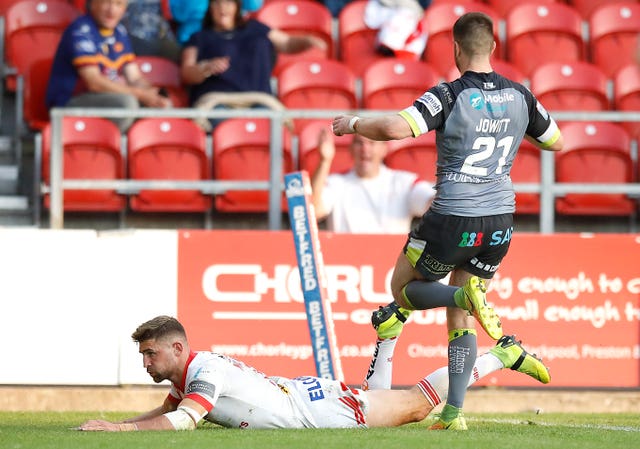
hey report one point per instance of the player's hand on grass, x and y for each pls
(98, 425)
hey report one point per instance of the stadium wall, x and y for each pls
(71, 298)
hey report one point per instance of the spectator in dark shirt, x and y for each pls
(188, 15)
(229, 62)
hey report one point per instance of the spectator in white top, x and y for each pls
(371, 198)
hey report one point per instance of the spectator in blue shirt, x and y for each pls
(94, 65)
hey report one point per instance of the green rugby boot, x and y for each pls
(457, 422)
(472, 298)
(512, 355)
(389, 320)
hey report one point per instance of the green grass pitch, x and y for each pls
(44, 430)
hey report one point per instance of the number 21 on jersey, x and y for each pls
(487, 145)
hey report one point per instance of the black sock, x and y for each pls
(424, 295)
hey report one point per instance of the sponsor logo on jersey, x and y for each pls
(470, 239)
(434, 266)
(497, 102)
(475, 238)
(431, 102)
(501, 237)
(476, 101)
(486, 267)
(84, 29)
(202, 388)
(445, 93)
(313, 386)
(85, 46)
(494, 101)
(500, 97)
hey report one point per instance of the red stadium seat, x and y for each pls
(357, 42)
(299, 17)
(571, 86)
(626, 95)
(32, 31)
(241, 151)
(543, 32)
(526, 169)
(91, 149)
(396, 83)
(168, 149)
(35, 110)
(164, 73)
(500, 66)
(6, 4)
(417, 155)
(320, 84)
(596, 152)
(438, 22)
(614, 30)
(586, 7)
(166, 9)
(308, 148)
(81, 5)
(504, 7)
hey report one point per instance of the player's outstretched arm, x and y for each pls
(167, 406)
(383, 127)
(183, 417)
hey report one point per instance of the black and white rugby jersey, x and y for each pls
(480, 120)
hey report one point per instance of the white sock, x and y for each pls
(436, 385)
(381, 367)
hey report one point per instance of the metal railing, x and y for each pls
(548, 188)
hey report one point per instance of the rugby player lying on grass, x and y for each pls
(225, 391)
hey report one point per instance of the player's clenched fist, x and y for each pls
(344, 124)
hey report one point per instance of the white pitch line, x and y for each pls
(541, 423)
(294, 316)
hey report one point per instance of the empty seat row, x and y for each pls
(503, 7)
(164, 149)
(175, 149)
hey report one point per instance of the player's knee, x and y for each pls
(420, 414)
(398, 296)
(459, 319)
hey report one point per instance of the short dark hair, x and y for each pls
(473, 32)
(157, 328)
